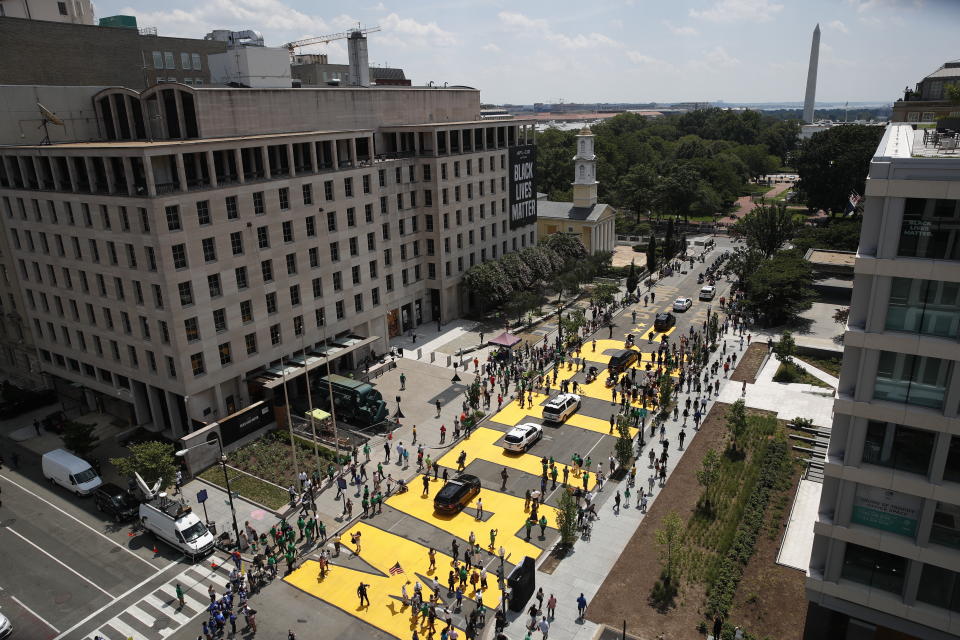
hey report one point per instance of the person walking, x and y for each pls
(180, 597)
(581, 606)
(504, 476)
(403, 382)
(544, 627)
(438, 407)
(362, 594)
(551, 607)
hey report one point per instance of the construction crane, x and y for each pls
(343, 35)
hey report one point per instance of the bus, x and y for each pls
(355, 402)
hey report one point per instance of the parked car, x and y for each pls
(622, 360)
(561, 407)
(682, 304)
(664, 321)
(457, 493)
(115, 502)
(522, 436)
(70, 472)
(708, 292)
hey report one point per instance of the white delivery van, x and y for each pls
(177, 525)
(70, 472)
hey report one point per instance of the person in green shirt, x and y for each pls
(378, 501)
(300, 525)
(365, 504)
(543, 526)
(180, 596)
(553, 474)
(528, 525)
(322, 530)
(311, 525)
(272, 566)
(288, 556)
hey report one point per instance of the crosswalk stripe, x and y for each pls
(168, 610)
(121, 630)
(141, 615)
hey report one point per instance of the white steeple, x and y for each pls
(585, 171)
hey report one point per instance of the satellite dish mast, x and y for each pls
(49, 117)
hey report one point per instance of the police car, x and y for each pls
(561, 407)
(522, 436)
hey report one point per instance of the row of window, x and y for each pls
(167, 60)
(886, 571)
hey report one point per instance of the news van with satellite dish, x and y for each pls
(173, 522)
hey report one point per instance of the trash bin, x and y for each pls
(522, 583)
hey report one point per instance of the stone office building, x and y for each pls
(198, 237)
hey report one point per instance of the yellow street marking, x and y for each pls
(383, 550)
(506, 515)
(512, 415)
(480, 446)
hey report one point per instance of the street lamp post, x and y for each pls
(226, 481)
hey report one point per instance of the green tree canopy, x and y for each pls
(153, 460)
(79, 438)
(736, 420)
(633, 279)
(670, 539)
(566, 245)
(835, 162)
(766, 228)
(785, 348)
(488, 283)
(779, 288)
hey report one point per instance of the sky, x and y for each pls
(529, 51)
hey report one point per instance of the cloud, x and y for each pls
(407, 32)
(520, 22)
(642, 59)
(739, 11)
(378, 7)
(718, 57)
(839, 26)
(616, 23)
(680, 31)
(490, 47)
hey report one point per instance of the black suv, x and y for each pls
(457, 494)
(115, 502)
(664, 321)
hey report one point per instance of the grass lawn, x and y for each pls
(248, 487)
(796, 374)
(827, 365)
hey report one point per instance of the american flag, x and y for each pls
(396, 569)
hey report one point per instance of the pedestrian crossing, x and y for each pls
(158, 615)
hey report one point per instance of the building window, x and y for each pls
(173, 218)
(232, 210)
(258, 205)
(898, 447)
(209, 249)
(220, 320)
(340, 311)
(939, 587)
(284, 198)
(918, 380)
(213, 283)
(348, 187)
(337, 281)
(331, 221)
(873, 568)
(295, 295)
(236, 243)
(351, 217)
(192, 329)
(263, 237)
(328, 190)
(366, 183)
(168, 60)
(266, 269)
(195, 58)
(358, 302)
(334, 251)
(196, 363)
(185, 61)
(158, 60)
(225, 356)
(946, 525)
(179, 252)
(929, 307)
(271, 300)
(311, 224)
(275, 337)
(307, 194)
(241, 276)
(930, 229)
(246, 311)
(287, 231)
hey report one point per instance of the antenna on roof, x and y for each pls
(49, 117)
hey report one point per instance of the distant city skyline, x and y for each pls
(734, 51)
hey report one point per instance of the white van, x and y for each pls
(177, 525)
(70, 472)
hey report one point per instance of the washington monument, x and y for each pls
(811, 95)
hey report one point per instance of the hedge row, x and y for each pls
(730, 571)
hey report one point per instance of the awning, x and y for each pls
(317, 414)
(297, 365)
(505, 339)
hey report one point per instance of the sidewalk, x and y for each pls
(586, 569)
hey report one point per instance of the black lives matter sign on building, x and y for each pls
(523, 191)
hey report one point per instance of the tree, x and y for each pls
(736, 419)
(840, 234)
(652, 252)
(632, 278)
(639, 186)
(567, 518)
(488, 283)
(665, 387)
(841, 315)
(624, 447)
(835, 162)
(678, 189)
(785, 348)
(153, 460)
(952, 92)
(517, 271)
(707, 476)
(566, 245)
(670, 538)
(79, 437)
(766, 228)
(779, 288)
(572, 321)
(668, 242)
(520, 302)
(744, 262)
(604, 293)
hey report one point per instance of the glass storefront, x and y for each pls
(911, 379)
(928, 307)
(930, 229)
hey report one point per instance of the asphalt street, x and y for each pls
(66, 569)
(332, 605)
